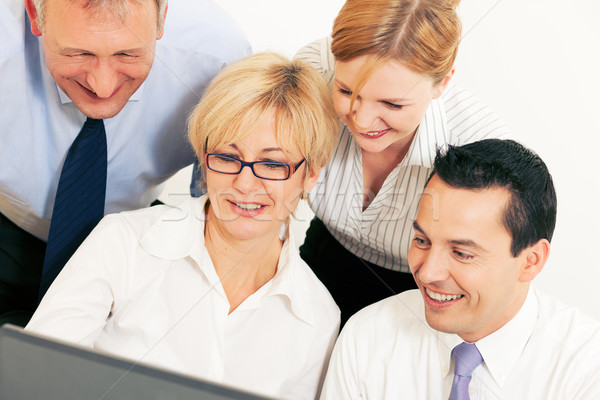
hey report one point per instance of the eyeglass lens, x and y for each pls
(262, 169)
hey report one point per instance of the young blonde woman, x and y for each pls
(389, 64)
(214, 287)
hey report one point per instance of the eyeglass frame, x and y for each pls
(290, 168)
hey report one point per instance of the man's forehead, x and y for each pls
(442, 204)
(107, 8)
(87, 15)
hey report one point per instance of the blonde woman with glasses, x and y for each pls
(215, 287)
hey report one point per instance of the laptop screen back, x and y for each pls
(33, 367)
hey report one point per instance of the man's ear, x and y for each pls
(535, 259)
(439, 89)
(162, 25)
(33, 17)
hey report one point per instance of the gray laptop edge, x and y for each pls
(34, 367)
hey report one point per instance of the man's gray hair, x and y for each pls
(119, 8)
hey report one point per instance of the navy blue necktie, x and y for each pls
(79, 202)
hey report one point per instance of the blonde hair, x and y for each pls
(423, 35)
(243, 93)
(119, 8)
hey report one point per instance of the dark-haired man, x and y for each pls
(482, 234)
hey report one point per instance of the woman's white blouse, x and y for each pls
(143, 286)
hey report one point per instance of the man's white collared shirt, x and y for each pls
(388, 351)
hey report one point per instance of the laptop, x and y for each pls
(35, 367)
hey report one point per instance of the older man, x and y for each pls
(476, 326)
(93, 120)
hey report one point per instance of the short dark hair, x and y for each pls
(531, 213)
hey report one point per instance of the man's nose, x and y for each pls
(434, 267)
(103, 79)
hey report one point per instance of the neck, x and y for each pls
(243, 266)
(377, 167)
(502, 319)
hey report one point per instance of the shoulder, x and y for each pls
(575, 330)
(318, 54)
(140, 221)
(201, 26)
(401, 314)
(114, 227)
(12, 28)
(469, 118)
(569, 341)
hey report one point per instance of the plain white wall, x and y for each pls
(536, 64)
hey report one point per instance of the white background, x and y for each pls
(536, 64)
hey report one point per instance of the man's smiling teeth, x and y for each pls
(442, 297)
(248, 206)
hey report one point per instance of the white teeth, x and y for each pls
(374, 133)
(248, 207)
(442, 297)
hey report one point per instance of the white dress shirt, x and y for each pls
(381, 234)
(388, 351)
(143, 286)
(146, 142)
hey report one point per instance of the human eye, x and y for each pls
(393, 106)
(345, 92)
(271, 169)
(80, 55)
(224, 158)
(420, 242)
(462, 256)
(274, 165)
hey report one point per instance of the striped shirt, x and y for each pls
(382, 233)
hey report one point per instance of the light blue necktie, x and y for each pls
(79, 202)
(466, 359)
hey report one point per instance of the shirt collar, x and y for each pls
(502, 348)
(432, 129)
(290, 281)
(446, 342)
(179, 233)
(498, 357)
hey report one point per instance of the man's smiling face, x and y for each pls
(461, 260)
(98, 60)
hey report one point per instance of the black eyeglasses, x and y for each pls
(269, 170)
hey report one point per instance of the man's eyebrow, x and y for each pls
(457, 242)
(465, 242)
(416, 227)
(70, 51)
